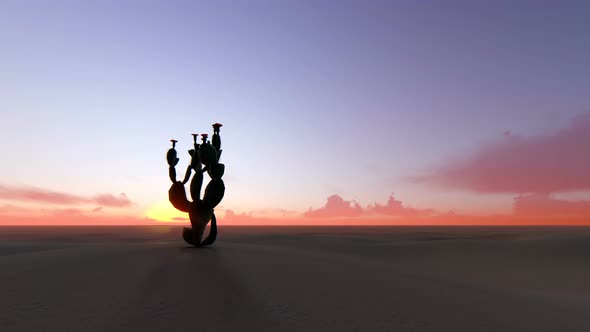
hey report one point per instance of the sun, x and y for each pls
(164, 211)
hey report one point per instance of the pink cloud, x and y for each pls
(232, 217)
(8, 209)
(577, 215)
(394, 207)
(68, 216)
(38, 195)
(544, 163)
(276, 212)
(67, 213)
(111, 200)
(335, 207)
(545, 205)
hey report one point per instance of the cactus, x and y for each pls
(200, 211)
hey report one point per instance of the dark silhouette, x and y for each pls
(200, 211)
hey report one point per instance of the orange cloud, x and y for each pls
(546, 163)
(31, 194)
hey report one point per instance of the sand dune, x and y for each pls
(296, 279)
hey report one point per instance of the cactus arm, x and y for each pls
(199, 217)
(177, 196)
(195, 161)
(171, 157)
(187, 235)
(172, 161)
(196, 185)
(216, 141)
(187, 175)
(172, 174)
(213, 193)
(216, 171)
(212, 231)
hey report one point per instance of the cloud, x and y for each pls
(59, 213)
(20, 215)
(546, 163)
(9, 209)
(38, 195)
(274, 212)
(528, 210)
(545, 205)
(394, 207)
(111, 200)
(335, 207)
(232, 217)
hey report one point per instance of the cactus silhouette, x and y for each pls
(200, 210)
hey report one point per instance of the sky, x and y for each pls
(334, 112)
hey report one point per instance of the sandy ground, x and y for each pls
(295, 279)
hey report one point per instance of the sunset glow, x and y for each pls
(164, 212)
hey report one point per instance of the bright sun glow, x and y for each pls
(165, 212)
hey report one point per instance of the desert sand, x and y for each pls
(295, 279)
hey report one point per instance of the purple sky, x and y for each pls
(316, 97)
